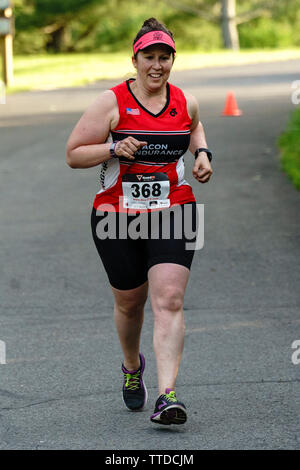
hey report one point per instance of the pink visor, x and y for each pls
(153, 37)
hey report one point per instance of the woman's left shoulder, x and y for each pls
(191, 103)
(188, 96)
(190, 99)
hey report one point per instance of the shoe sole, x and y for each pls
(173, 414)
(144, 404)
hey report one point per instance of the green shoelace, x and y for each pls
(132, 380)
(171, 396)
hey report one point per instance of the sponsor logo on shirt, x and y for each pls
(158, 149)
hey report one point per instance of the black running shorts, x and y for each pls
(129, 245)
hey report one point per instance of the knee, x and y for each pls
(131, 307)
(169, 300)
(168, 313)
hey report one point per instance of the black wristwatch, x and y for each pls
(112, 149)
(208, 153)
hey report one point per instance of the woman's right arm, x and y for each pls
(87, 146)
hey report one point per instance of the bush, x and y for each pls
(194, 33)
(264, 32)
(289, 144)
(29, 42)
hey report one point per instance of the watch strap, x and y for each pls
(112, 149)
(207, 151)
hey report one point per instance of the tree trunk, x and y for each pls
(58, 39)
(229, 27)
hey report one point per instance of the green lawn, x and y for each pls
(289, 144)
(66, 70)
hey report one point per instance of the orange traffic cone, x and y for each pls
(231, 108)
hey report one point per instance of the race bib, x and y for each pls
(146, 191)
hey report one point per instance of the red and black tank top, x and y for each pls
(155, 179)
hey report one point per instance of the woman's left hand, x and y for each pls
(202, 170)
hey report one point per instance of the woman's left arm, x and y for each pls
(202, 170)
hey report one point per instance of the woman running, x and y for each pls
(138, 131)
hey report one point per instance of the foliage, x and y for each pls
(289, 143)
(111, 25)
(278, 24)
(263, 32)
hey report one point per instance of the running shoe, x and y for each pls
(134, 390)
(168, 410)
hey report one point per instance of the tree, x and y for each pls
(229, 27)
(77, 25)
(54, 18)
(224, 13)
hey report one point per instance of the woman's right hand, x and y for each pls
(127, 147)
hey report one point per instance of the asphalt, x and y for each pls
(60, 386)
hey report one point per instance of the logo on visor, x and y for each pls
(157, 36)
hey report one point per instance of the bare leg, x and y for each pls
(167, 284)
(129, 317)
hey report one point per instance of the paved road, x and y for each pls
(59, 388)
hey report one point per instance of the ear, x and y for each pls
(134, 61)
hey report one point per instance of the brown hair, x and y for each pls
(152, 24)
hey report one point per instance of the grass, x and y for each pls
(40, 72)
(289, 144)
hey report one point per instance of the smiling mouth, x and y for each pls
(155, 75)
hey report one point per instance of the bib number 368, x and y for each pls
(146, 191)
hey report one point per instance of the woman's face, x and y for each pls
(154, 65)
